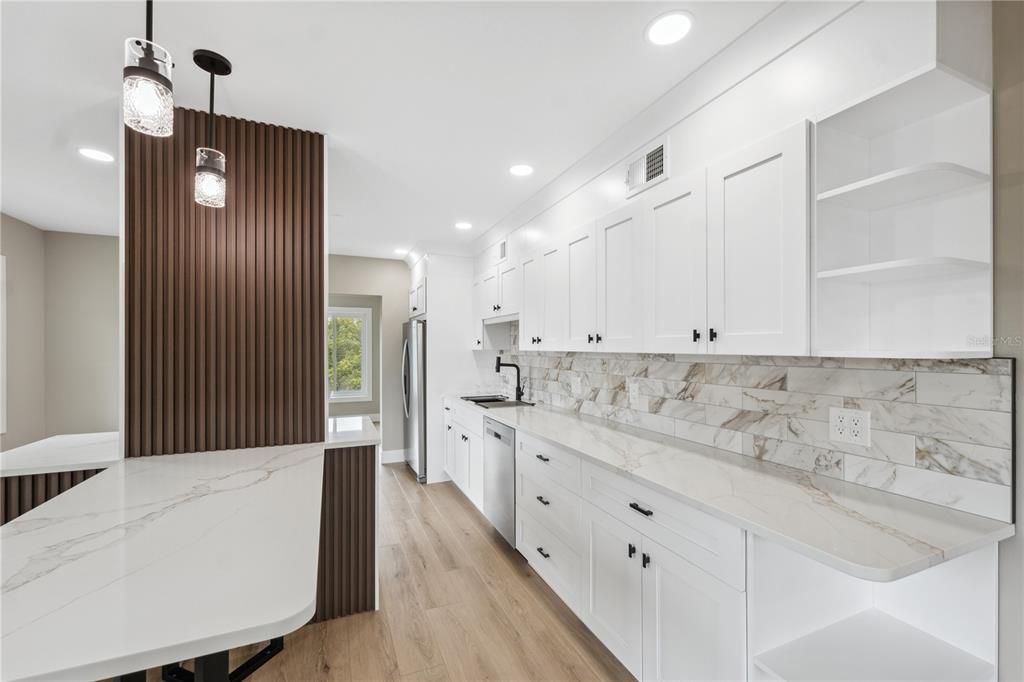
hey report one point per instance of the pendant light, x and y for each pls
(211, 179)
(148, 101)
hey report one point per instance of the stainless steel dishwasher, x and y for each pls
(500, 478)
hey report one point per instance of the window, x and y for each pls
(349, 353)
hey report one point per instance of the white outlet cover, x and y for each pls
(849, 426)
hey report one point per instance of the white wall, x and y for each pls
(388, 279)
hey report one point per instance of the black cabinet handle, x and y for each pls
(598, 337)
(632, 550)
(696, 336)
(538, 339)
(646, 560)
(449, 427)
(590, 338)
(540, 550)
(414, 308)
(712, 334)
(540, 498)
(447, 409)
(497, 307)
(478, 342)
(637, 508)
(543, 458)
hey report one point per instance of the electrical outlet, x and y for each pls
(849, 426)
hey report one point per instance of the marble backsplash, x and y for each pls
(941, 430)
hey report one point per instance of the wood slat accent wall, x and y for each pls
(346, 580)
(223, 307)
(19, 494)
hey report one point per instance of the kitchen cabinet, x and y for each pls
(449, 443)
(418, 299)
(694, 626)
(509, 288)
(758, 250)
(612, 599)
(675, 287)
(531, 314)
(489, 295)
(620, 263)
(475, 457)
(581, 276)
(556, 298)
(460, 459)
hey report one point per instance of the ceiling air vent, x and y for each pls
(647, 169)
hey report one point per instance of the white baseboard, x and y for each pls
(392, 456)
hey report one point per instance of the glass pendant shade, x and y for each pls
(211, 179)
(148, 99)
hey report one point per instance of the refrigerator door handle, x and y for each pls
(404, 377)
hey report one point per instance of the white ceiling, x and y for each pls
(425, 104)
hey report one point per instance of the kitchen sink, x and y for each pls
(489, 401)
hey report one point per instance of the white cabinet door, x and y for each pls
(449, 444)
(475, 456)
(414, 308)
(675, 266)
(694, 626)
(476, 323)
(619, 285)
(556, 299)
(461, 474)
(489, 294)
(758, 248)
(581, 259)
(508, 288)
(531, 314)
(611, 598)
(421, 297)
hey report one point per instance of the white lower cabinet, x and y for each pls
(675, 612)
(694, 626)
(464, 462)
(612, 604)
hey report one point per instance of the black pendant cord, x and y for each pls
(209, 122)
(149, 21)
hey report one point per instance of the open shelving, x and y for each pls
(903, 222)
(872, 645)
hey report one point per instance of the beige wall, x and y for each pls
(81, 333)
(1008, 112)
(25, 249)
(388, 279)
(62, 352)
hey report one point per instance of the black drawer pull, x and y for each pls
(647, 560)
(543, 458)
(632, 550)
(540, 498)
(637, 508)
(540, 550)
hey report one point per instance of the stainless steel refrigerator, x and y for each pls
(414, 391)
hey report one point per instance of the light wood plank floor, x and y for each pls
(457, 603)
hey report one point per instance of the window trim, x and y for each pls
(366, 316)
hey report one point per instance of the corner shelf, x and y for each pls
(872, 645)
(904, 186)
(906, 269)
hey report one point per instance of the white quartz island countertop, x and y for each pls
(863, 532)
(351, 432)
(68, 452)
(160, 559)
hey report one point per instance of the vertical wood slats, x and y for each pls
(224, 307)
(348, 542)
(19, 494)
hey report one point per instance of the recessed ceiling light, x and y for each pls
(521, 170)
(463, 226)
(401, 252)
(95, 154)
(669, 28)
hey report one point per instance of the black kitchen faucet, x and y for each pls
(498, 364)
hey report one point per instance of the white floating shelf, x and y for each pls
(872, 645)
(906, 269)
(904, 185)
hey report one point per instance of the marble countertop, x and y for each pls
(351, 432)
(68, 452)
(860, 531)
(160, 559)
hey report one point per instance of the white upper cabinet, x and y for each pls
(509, 289)
(556, 299)
(694, 626)
(758, 254)
(531, 315)
(581, 259)
(489, 294)
(674, 268)
(619, 285)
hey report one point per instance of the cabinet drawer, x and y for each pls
(548, 462)
(468, 416)
(555, 561)
(713, 545)
(552, 505)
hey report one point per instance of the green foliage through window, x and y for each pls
(347, 332)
